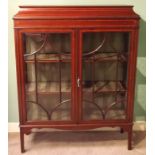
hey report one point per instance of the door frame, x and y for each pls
(21, 71)
(131, 70)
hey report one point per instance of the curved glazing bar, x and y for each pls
(49, 113)
(58, 105)
(98, 107)
(106, 109)
(95, 50)
(42, 107)
(40, 48)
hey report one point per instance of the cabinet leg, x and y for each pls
(22, 141)
(130, 138)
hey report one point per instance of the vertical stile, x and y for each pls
(60, 99)
(25, 68)
(36, 78)
(116, 80)
(93, 78)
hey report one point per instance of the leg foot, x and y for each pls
(22, 141)
(130, 138)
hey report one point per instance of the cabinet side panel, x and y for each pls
(132, 72)
(18, 73)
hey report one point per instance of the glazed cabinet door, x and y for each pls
(104, 75)
(48, 66)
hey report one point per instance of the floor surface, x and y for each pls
(77, 143)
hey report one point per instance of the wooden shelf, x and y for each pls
(48, 87)
(54, 87)
(105, 87)
(45, 58)
(106, 57)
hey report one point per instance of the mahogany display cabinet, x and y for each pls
(76, 67)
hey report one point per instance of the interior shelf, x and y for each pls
(54, 87)
(48, 87)
(106, 57)
(115, 56)
(105, 87)
(49, 58)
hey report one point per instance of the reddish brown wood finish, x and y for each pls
(76, 20)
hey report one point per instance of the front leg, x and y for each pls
(130, 138)
(22, 140)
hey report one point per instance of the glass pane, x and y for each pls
(104, 76)
(48, 76)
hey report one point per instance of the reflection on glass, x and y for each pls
(48, 76)
(104, 76)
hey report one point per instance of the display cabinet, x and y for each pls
(76, 67)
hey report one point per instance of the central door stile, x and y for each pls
(75, 74)
(79, 78)
(74, 77)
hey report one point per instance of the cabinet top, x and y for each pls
(76, 12)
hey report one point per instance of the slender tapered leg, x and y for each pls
(130, 138)
(22, 141)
